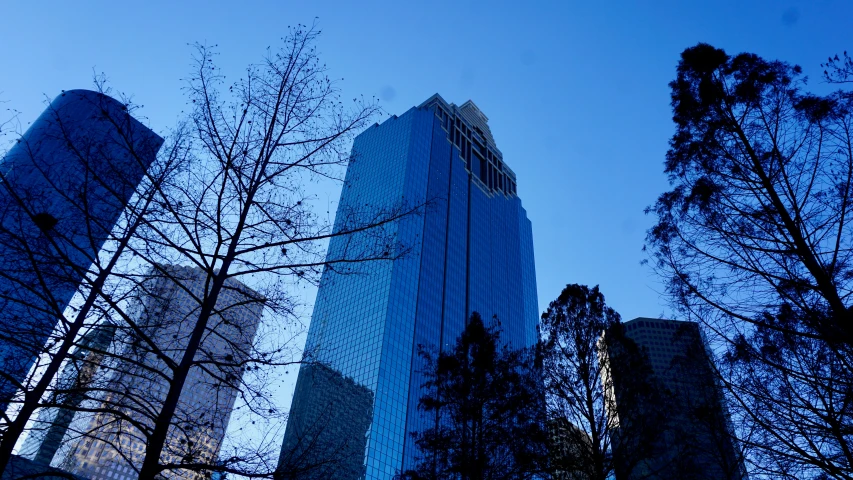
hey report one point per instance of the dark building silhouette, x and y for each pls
(696, 440)
(471, 250)
(51, 425)
(62, 188)
(569, 450)
(20, 467)
(327, 435)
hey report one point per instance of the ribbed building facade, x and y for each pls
(63, 185)
(470, 250)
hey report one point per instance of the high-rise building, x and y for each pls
(109, 445)
(471, 250)
(695, 439)
(62, 188)
(51, 425)
(570, 450)
(328, 437)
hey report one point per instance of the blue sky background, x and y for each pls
(576, 92)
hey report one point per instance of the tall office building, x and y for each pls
(472, 250)
(695, 440)
(111, 446)
(46, 434)
(569, 450)
(62, 188)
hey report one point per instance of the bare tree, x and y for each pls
(241, 214)
(838, 69)
(8, 123)
(234, 214)
(754, 241)
(598, 429)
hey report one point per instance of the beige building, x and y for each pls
(110, 445)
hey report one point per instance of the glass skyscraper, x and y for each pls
(63, 185)
(471, 250)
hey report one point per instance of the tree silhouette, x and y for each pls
(601, 429)
(487, 402)
(753, 239)
(838, 69)
(234, 211)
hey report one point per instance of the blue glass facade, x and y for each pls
(63, 185)
(473, 251)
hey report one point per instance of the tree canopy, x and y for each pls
(599, 429)
(754, 240)
(487, 402)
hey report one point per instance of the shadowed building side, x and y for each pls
(696, 440)
(63, 186)
(569, 450)
(327, 435)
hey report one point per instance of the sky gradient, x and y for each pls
(576, 92)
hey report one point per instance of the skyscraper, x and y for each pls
(471, 250)
(47, 432)
(696, 439)
(62, 188)
(109, 445)
(568, 446)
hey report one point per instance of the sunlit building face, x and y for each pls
(470, 249)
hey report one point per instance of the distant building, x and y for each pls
(109, 447)
(62, 188)
(51, 425)
(696, 440)
(20, 467)
(471, 250)
(570, 450)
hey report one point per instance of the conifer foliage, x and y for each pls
(754, 240)
(487, 401)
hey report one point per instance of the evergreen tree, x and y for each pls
(487, 402)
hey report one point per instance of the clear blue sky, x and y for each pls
(576, 92)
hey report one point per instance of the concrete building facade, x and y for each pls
(109, 445)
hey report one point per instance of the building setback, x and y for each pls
(112, 447)
(471, 250)
(696, 440)
(62, 188)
